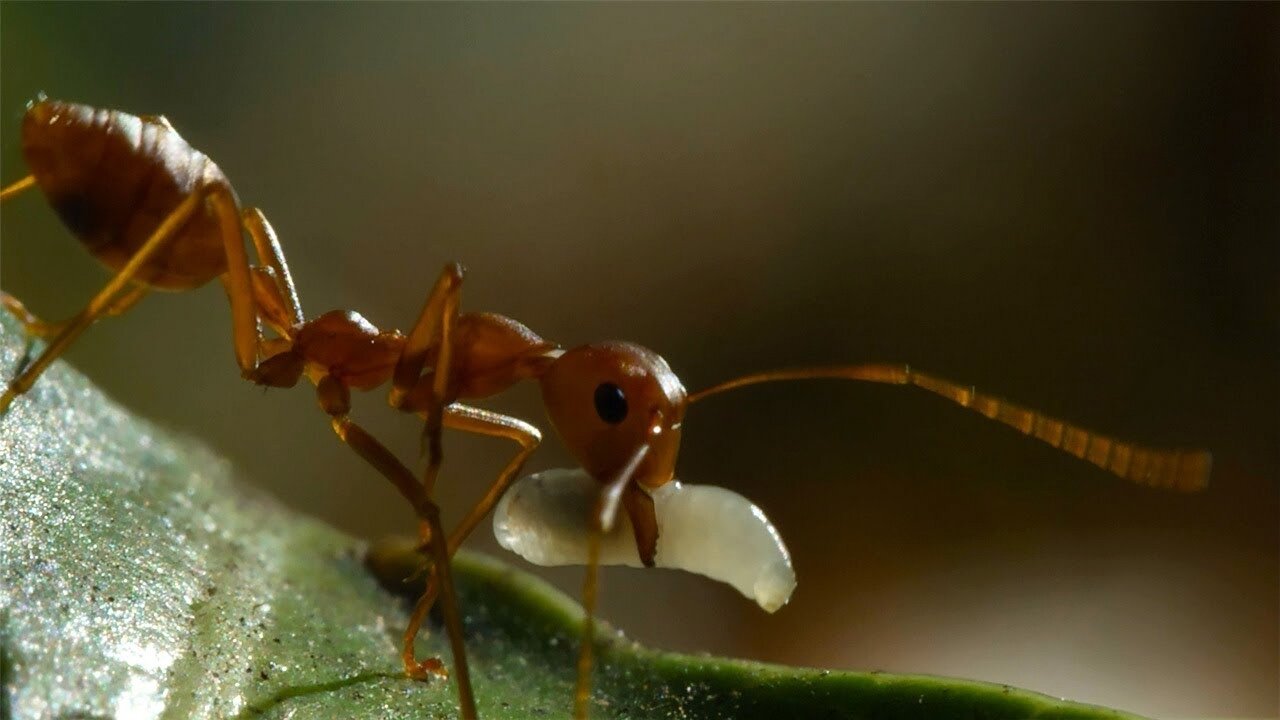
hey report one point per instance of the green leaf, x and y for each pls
(139, 579)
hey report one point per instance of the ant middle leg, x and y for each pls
(335, 400)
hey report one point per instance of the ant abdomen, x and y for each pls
(113, 178)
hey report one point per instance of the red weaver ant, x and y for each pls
(163, 216)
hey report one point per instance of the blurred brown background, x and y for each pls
(1073, 206)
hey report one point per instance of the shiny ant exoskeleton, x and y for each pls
(163, 216)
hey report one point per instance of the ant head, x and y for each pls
(610, 401)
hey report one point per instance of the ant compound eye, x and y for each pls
(611, 403)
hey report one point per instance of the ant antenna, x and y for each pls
(1183, 470)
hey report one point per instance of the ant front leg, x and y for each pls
(480, 422)
(335, 400)
(483, 422)
(434, 330)
(590, 594)
(602, 519)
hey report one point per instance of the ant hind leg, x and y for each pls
(238, 279)
(112, 295)
(18, 187)
(34, 327)
(267, 245)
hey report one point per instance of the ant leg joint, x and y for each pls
(455, 271)
(280, 370)
(427, 510)
(334, 397)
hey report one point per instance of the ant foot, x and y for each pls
(421, 570)
(426, 669)
(424, 538)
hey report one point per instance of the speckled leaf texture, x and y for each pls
(140, 579)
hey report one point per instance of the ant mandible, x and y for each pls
(618, 406)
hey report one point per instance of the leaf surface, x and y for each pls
(140, 579)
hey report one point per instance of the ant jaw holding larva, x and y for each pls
(618, 407)
(711, 531)
(546, 518)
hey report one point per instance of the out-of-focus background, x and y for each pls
(1074, 206)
